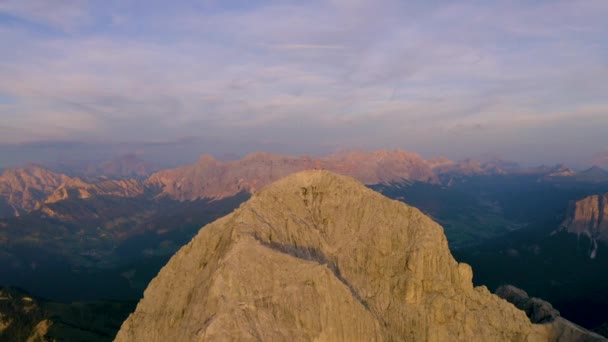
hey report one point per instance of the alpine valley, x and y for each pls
(85, 239)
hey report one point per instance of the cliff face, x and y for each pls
(209, 178)
(317, 256)
(589, 217)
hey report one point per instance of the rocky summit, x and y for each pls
(317, 256)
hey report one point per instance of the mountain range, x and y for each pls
(26, 189)
(71, 236)
(121, 167)
(317, 256)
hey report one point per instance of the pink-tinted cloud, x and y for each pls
(436, 77)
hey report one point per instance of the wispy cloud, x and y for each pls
(294, 46)
(382, 73)
(61, 14)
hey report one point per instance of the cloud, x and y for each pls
(61, 14)
(295, 46)
(382, 73)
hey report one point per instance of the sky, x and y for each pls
(519, 80)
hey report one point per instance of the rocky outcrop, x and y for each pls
(317, 256)
(540, 311)
(589, 217)
(210, 178)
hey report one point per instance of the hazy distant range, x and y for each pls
(172, 153)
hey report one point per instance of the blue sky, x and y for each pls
(523, 80)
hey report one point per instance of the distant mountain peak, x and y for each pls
(28, 188)
(560, 170)
(259, 155)
(25, 188)
(595, 170)
(601, 159)
(209, 178)
(205, 158)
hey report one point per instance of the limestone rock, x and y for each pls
(538, 310)
(317, 256)
(589, 217)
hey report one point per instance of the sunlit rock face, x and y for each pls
(589, 217)
(317, 256)
(24, 189)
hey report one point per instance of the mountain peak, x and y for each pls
(258, 155)
(561, 170)
(206, 158)
(318, 256)
(595, 170)
(25, 188)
